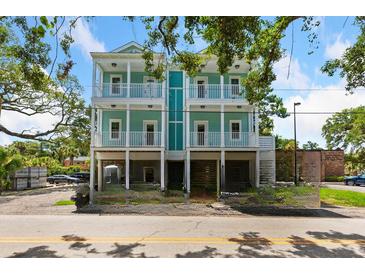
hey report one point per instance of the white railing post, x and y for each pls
(163, 115)
(222, 126)
(257, 125)
(187, 126)
(128, 79)
(127, 140)
(222, 86)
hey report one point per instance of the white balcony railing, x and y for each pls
(267, 142)
(214, 91)
(143, 90)
(145, 139)
(214, 139)
(136, 139)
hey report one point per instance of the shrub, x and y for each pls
(334, 178)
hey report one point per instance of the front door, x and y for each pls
(201, 88)
(201, 134)
(116, 86)
(149, 176)
(175, 175)
(150, 88)
(149, 138)
(235, 87)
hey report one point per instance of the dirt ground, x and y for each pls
(37, 201)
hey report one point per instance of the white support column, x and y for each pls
(187, 86)
(92, 155)
(127, 169)
(100, 176)
(98, 127)
(188, 171)
(218, 180)
(163, 125)
(164, 86)
(222, 126)
(94, 79)
(187, 126)
(128, 79)
(162, 173)
(257, 125)
(223, 170)
(127, 136)
(222, 86)
(257, 169)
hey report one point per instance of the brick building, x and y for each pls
(313, 165)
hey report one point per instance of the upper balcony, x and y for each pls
(135, 90)
(216, 91)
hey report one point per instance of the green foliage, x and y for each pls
(251, 38)
(311, 146)
(351, 65)
(334, 178)
(346, 130)
(31, 82)
(355, 162)
(285, 144)
(9, 163)
(342, 197)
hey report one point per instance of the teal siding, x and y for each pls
(243, 116)
(137, 117)
(176, 106)
(113, 114)
(212, 118)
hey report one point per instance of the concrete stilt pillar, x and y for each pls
(100, 176)
(223, 170)
(188, 171)
(162, 173)
(127, 169)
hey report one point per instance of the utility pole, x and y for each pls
(295, 146)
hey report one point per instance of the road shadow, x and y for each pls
(42, 251)
(252, 245)
(207, 252)
(126, 251)
(288, 212)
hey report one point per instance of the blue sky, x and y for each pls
(108, 33)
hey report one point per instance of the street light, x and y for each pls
(295, 145)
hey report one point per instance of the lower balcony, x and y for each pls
(136, 139)
(214, 139)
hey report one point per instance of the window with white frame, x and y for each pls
(115, 126)
(235, 126)
(115, 85)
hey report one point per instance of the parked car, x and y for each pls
(83, 176)
(55, 179)
(355, 180)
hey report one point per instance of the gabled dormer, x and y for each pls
(130, 47)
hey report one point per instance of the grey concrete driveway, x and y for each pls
(345, 187)
(37, 201)
(181, 237)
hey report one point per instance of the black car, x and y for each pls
(83, 176)
(55, 179)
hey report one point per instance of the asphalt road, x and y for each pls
(345, 187)
(168, 236)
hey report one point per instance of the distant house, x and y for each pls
(78, 161)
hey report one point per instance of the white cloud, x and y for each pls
(297, 78)
(336, 49)
(309, 126)
(85, 40)
(4, 139)
(18, 122)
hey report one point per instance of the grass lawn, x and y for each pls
(64, 202)
(292, 196)
(342, 197)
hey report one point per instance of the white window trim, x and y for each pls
(110, 129)
(144, 173)
(111, 81)
(201, 78)
(197, 122)
(146, 122)
(240, 130)
(145, 78)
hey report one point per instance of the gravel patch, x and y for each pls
(37, 201)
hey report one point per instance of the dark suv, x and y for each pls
(83, 176)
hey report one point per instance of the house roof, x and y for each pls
(130, 47)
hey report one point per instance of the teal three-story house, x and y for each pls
(197, 133)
